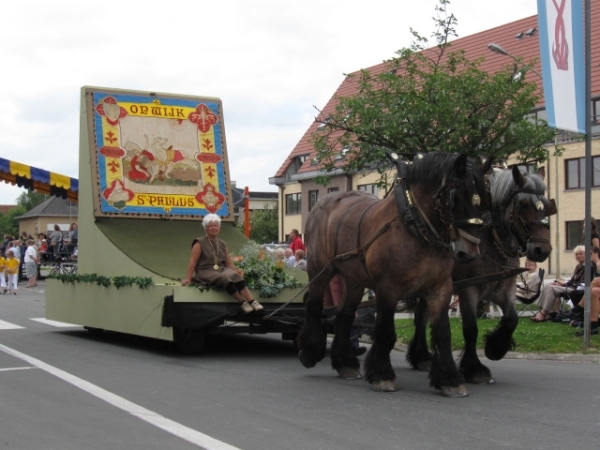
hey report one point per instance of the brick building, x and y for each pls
(564, 176)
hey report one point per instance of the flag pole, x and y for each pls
(588, 174)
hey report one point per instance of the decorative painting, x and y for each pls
(158, 156)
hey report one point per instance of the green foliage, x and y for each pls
(8, 223)
(261, 271)
(30, 199)
(432, 100)
(264, 223)
(530, 337)
(100, 280)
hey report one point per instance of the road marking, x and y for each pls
(17, 368)
(177, 429)
(8, 326)
(55, 323)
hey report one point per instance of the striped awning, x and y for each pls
(39, 180)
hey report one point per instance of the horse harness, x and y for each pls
(414, 217)
(519, 228)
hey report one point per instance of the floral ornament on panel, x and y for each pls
(109, 109)
(210, 198)
(118, 194)
(203, 117)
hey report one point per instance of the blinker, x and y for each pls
(539, 205)
(476, 200)
(552, 208)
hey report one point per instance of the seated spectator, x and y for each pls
(300, 261)
(280, 258)
(556, 288)
(579, 300)
(73, 237)
(290, 259)
(55, 240)
(530, 281)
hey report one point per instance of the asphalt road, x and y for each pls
(62, 388)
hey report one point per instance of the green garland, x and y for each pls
(100, 280)
(263, 272)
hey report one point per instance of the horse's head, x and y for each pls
(523, 210)
(459, 197)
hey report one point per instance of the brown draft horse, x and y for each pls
(375, 244)
(519, 227)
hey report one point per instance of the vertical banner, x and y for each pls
(562, 55)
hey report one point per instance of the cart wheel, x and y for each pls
(189, 341)
(94, 331)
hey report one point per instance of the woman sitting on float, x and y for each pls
(210, 263)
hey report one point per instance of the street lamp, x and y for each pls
(497, 48)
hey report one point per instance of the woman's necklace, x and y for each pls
(216, 266)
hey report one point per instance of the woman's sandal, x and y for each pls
(544, 318)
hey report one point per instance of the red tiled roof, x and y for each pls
(475, 47)
(6, 208)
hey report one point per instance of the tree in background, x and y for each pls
(8, 224)
(29, 199)
(264, 224)
(432, 100)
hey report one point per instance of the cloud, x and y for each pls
(269, 61)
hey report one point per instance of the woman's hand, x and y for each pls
(185, 282)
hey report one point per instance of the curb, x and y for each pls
(564, 357)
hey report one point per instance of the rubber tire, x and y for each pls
(189, 341)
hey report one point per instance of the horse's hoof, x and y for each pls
(482, 379)
(455, 391)
(306, 360)
(384, 386)
(424, 366)
(347, 373)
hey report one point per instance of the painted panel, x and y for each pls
(157, 155)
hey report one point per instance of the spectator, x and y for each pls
(73, 237)
(2, 274)
(295, 241)
(300, 261)
(556, 288)
(333, 297)
(12, 272)
(594, 233)
(290, 259)
(31, 263)
(280, 258)
(530, 281)
(55, 240)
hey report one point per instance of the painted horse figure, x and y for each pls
(519, 227)
(402, 246)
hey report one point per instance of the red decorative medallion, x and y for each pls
(112, 152)
(210, 198)
(209, 158)
(109, 109)
(203, 117)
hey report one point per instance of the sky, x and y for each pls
(271, 62)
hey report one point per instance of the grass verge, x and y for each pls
(530, 337)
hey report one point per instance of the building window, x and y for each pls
(370, 188)
(575, 234)
(575, 173)
(293, 203)
(332, 189)
(313, 198)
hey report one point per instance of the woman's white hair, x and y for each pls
(211, 218)
(579, 248)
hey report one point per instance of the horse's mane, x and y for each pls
(502, 186)
(432, 167)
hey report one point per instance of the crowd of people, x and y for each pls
(573, 289)
(26, 253)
